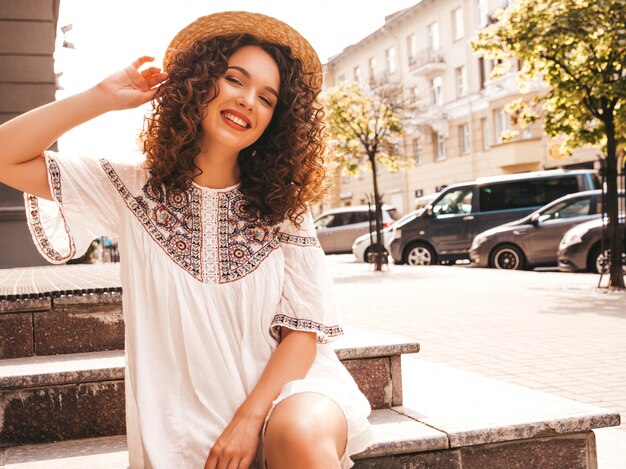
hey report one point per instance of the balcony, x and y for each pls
(519, 152)
(427, 63)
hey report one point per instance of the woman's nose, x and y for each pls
(245, 101)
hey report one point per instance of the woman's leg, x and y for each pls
(305, 431)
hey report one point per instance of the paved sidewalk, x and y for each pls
(546, 330)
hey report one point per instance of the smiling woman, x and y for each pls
(228, 301)
(224, 79)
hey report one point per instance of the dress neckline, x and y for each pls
(214, 189)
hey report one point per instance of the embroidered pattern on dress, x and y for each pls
(34, 216)
(242, 244)
(172, 220)
(304, 325)
(310, 241)
(204, 232)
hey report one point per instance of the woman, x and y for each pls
(227, 298)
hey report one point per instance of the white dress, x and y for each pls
(204, 296)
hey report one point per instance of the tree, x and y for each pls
(368, 125)
(578, 49)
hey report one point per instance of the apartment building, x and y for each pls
(460, 131)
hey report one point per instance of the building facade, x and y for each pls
(27, 80)
(460, 132)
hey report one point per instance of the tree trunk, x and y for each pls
(616, 275)
(377, 249)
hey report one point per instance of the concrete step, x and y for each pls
(489, 433)
(64, 397)
(395, 433)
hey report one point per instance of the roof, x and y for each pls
(522, 176)
(353, 208)
(389, 20)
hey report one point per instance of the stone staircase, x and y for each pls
(62, 391)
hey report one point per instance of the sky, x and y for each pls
(108, 36)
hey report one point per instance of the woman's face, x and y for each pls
(248, 93)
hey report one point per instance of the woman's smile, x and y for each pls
(236, 120)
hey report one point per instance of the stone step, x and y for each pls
(71, 396)
(396, 434)
(65, 323)
(505, 425)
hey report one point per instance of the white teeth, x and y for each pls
(236, 120)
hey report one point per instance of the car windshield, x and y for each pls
(568, 209)
(454, 202)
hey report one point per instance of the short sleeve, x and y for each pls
(85, 205)
(308, 299)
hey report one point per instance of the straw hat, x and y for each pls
(240, 22)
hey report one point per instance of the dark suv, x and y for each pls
(445, 230)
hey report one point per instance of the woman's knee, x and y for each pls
(307, 422)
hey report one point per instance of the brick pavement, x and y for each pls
(546, 330)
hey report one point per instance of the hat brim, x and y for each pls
(263, 27)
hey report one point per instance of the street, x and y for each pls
(547, 330)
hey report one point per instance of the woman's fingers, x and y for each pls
(150, 71)
(156, 79)
(142, 60)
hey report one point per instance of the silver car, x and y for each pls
(337, 228)
(361, 245)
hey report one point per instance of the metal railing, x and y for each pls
(621, 210)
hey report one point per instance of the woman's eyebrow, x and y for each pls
(247, 75)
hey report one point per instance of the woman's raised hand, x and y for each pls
(131, 87)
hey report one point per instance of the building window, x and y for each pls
(439, 145)
(371, 66)
(461, 81)
(457, 23)
(357, 74)
(501, 119)
(416, 150)
(413, 91)
(437, 84)
(482, 72)
(390, 56)
(483, 15)
(411, 47)
(341, 80)
(486, 131)
(433, 36)
(464, 138)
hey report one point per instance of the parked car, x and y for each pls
(361, 245)
(534, 240)
(581, 248)
(445, 230)
(337, 228)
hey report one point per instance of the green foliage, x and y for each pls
(366, 125)
(578, 48)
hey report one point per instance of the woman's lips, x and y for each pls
(232, 124)
(236, 117)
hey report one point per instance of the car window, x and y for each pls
(393, 213)
(324, 221)
(455, 202)
(360, 217)
(569, 209)
(528, 193)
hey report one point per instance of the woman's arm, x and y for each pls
(291, 360)
(24, 138)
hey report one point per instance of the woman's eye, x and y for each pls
(267, 101)
(233, 80)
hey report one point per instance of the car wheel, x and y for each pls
(599, 261)
(367, 253)
(507, 257)
(420, 254)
